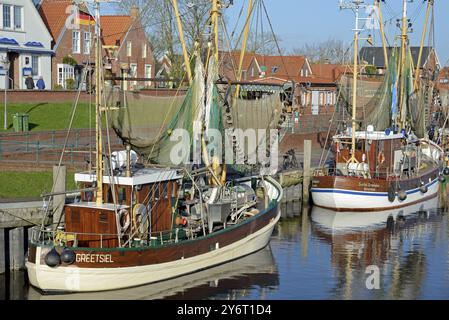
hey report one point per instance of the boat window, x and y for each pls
(122, 194)
(103, 218)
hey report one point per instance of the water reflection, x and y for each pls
(250, 277)
(316, 254)
(395, 241)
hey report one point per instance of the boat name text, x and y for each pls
(93, 257)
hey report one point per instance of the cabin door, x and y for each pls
(161, 208)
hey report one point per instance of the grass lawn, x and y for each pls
(15, 184)
(49, 116)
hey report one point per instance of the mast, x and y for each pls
(382, 32)
(244, 44)
(215, 14)
(99, 142)
(355, 5)
(423, 38)
(183, 43)
(404, 38)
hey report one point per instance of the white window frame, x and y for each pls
(11, 17)
(144, 50)
(67, 72)
(35, 59)
(20, 15)
(148, 83)
(87, 41)
(133, 74)
(129, 48)
(76, 49)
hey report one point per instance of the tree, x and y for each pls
(159, 21)
(265, 44)
(330, 51)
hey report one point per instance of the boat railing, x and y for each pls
(60, 237)
(331, 171)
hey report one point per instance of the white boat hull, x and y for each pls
(348, 200)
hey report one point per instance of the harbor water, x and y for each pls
(313, 254)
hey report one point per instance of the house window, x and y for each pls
(148, 74)
(302, 72)
(133, 71)
(35, 65)
(7, 16)
(76, 42)
(252, 72)
(65, 72)
(87, 42)
(144, 50)
(17, 18)
(307, 73)
(129, 48)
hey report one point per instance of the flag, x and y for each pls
(85, 19)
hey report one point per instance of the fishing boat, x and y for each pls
(139, 223)
(232, 279)
(384, 163)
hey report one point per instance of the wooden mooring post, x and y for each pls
(306, 171)
(59, 178)
(2, 252)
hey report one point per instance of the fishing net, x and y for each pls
(137, 118)
(374, 97)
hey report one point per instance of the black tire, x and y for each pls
(391, 193)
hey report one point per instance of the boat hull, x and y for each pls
(341, 193)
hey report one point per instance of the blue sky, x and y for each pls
(298, 22)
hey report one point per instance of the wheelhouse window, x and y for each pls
(76, 42)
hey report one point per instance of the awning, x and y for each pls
(22, 49)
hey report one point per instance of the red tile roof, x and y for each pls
(54, 14)
(285, 67)
(114, 28)
(330, 72)
(229, 63)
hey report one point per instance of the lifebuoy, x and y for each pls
(124, 220)
(380, 158)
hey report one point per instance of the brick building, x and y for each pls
(73, 31)
(128, 49)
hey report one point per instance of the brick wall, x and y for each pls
(36, 96)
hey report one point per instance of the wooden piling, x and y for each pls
(59, 200)
(306, 171)
(16, 249)
(2, 252)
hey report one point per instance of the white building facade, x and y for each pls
(25, 45)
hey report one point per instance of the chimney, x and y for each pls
(134, 13)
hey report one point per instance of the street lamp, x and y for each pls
(6, 65)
